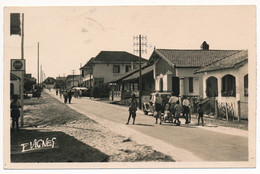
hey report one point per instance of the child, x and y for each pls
(132, 109)
(178, 110)
(200, 112)
(167, 113)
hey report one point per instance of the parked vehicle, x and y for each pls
(148, 106)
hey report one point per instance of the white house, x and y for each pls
(227, 80)
(108, 65)
(174, 69)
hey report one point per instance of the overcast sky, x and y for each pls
(70, 36)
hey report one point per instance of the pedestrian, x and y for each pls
(15, 112)
(70, 95)
(60, 93)
(178, 110)
(172, 101)
(132, 109)
(200, 113)
(65, 95)
(158, 107)
(186, 109)
(76, 93)
(80, 93)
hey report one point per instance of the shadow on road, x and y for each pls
(47, 146)
(139, 124)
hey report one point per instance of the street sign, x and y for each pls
(17, 64)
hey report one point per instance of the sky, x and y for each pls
(69, 36)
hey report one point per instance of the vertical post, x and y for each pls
(38, 61)
(73, 78)
(90, 85)
(239, 110)
(23, 72)
(140, 74)
(216, 109)
(226, 112)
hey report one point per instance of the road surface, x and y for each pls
(203, 143)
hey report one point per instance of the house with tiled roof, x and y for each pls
(174, 68)
(108, 65)
(227, 80)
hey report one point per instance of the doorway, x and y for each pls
(176, 86)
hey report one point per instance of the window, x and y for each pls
(127, 68)
(228, 86)
(246, 85)
(190, 84)
(116, 69)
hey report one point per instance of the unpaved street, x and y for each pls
(203, 143)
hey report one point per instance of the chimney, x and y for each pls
(204, 46)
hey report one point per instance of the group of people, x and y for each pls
(67, 95)
(173, 109)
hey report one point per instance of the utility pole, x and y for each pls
(38, 61)
(140, 50)
(23, 72)
(73, 77)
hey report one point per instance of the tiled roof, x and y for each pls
(88, 63)
(193, 58)
(136, 74)
(226, 63)
(116, 56)
(70, 77)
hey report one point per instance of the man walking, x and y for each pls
(186, 109)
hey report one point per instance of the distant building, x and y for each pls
(49, 83)
(73, 80)
(60, 82)
(108, 65)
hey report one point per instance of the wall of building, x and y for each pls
(239, 74)
(106, 71)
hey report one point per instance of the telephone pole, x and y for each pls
(140, 44)
(23, 72)
(73, 77)
(38, 61)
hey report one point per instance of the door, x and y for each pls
(176, 85)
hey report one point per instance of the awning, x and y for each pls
(136, 74)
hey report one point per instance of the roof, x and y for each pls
(192, 58)
(60, 78)
(73, 76)
(126, 74)
(87, 65)
(232, 61)
(116, 56)
(136, 74)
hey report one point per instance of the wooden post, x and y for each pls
(23, 72)
(226, 113)
(140, 73)
(216, 109)
(239, 110)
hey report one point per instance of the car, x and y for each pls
(148, 105)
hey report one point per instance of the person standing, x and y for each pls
(158, 107)
(172, 101)
(178, 110)
(70, 95)
(15, 112)
(186, 109)
(132, 109)
(200, 113)
(65, 95)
